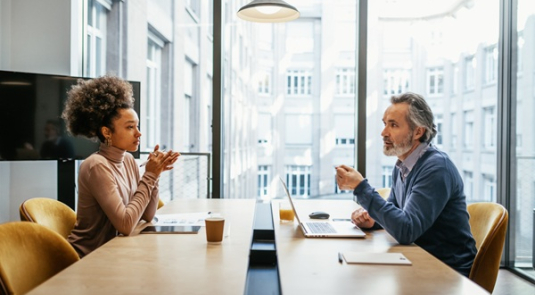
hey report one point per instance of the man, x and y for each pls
(427, 205)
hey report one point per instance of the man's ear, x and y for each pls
(419, 132)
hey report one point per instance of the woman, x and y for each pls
(112, 197)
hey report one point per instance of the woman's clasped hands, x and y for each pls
(160, 161)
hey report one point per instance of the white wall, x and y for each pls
(36, 36)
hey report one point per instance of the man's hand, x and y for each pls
(347, 177)
(362, 219)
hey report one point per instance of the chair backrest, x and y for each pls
(488, 223)
(160, 203)
(49, 212)
(29, 255)
(384, 192)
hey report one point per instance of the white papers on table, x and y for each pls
(376, 258)
(192, 219)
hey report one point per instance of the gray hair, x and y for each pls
(419, 115)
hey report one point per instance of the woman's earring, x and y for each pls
(108, 141)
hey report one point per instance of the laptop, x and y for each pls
(325, 228)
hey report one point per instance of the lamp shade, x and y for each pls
(268, 11)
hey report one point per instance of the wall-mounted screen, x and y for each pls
(31, 127)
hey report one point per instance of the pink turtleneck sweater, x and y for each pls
(112, 198)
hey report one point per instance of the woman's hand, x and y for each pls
(160, 161)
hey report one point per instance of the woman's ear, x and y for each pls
(106, 132)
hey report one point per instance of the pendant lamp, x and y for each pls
(268, 11)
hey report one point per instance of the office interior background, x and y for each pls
(289, 91)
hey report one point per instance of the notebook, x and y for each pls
(170, 229)
(325, 228)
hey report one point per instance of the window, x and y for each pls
(344, 129)
(264, 128)
(469, 72)
(301, 131)
(468, 180)
(455, 79)
(298, 180)
(439, 137)
(345, 81)
(491, 64)
(387, 176)
(152, 105)
(299, 82)
(489, 188)
(264, 83)
(453, 130)
(193, 6)
(468, 129)
(95, 58)
(264, 178)
(188, 104)
(396, 81)
(489, 128)
(435, 81)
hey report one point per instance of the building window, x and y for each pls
(298, 180)
(95, 58)
(455, 79)
(491, 64)
(152, 105)
(468, 129)
(469, 72)
(344, 129)
(439, 136)
(264, 128)
(469, 185)
(193, 6)
(345, 81)
(453, 130)
(489, 188)
(299, 82)
(264, 175)
(396, 81)
(435, 81)
(188, 104)
(264, 83)
(387, 176)
(489, 128)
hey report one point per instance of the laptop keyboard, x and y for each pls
(321, 228)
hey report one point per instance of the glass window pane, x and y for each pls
(523, 187)
(439, 52)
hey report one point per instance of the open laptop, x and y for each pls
(325, 228)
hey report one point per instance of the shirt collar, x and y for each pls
(405, 167)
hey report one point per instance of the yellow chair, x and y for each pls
(29, 255)
(488, 223)
(160, 203)
(49, 212)
(384, 192)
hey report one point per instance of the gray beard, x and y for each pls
(399, 149)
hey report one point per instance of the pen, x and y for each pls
(340, 258)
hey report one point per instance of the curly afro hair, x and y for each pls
(94, 103)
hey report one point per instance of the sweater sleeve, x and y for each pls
(106, 191)
(424, 202)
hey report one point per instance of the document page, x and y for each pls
(376, 258)
(182, 219)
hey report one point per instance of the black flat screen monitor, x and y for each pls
(30, 111)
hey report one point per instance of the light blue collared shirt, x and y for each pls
(405, 167)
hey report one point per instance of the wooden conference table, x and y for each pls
(186, 264)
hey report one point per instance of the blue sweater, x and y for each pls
(430, 211)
